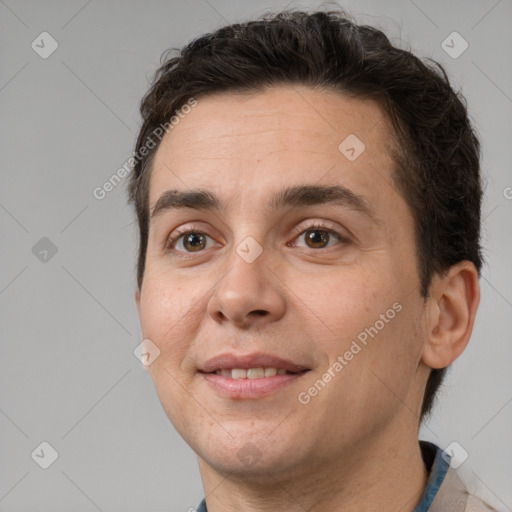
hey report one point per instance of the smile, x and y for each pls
(249, 376)
(251, 373)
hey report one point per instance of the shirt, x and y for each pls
(444, 491)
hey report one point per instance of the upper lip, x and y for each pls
(257, 360)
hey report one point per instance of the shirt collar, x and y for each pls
(437, 463)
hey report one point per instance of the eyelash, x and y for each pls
(320, 227)
(299, 231)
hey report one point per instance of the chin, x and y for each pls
(249, 453)
(249, 464)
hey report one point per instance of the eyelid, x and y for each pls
(327, 226)
(316, 224)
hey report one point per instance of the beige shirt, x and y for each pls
(453, 496)
(445, 490)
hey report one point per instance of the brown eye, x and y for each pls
(320, 237)
(317, 238)
(190, 241)
(194, 242)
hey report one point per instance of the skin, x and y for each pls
(354, 446)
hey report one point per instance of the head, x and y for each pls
(273, 104)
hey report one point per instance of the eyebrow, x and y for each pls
(291, 197)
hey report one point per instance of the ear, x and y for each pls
(452, 304)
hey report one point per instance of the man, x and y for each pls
(308, 199)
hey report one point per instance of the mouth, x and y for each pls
(250, 376)
(253, 373)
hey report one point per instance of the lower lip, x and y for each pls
(249, 388)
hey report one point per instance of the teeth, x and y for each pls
(250, 373)
(255, 373)
(238, 374)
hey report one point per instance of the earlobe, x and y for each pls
(453, 303)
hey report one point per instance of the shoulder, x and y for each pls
(454, 496)
(475, 504)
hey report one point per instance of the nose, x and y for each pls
(248, 293)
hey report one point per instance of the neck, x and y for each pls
(385, 476)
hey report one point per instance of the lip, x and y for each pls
(247, 361)
(249, 388)
(243, 389)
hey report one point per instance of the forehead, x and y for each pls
(245, 146)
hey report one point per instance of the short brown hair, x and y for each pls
(438, 157)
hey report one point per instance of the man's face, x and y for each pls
(258, 282)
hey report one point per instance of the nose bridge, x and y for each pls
(246, 270)
(248, 289)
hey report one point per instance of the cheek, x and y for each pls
(366, 318)
(344, 302)
(168, 315)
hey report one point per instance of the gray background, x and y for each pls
(68, 321)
